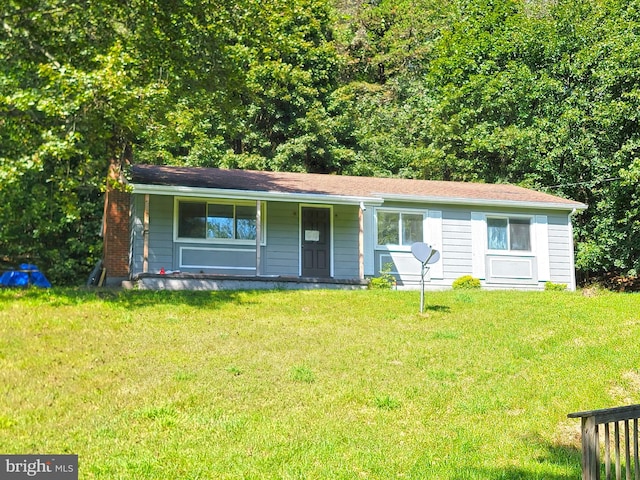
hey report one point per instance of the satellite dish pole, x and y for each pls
(426, 255)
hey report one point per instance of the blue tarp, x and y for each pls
(26, 275)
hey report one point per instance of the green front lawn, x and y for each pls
(312, 384)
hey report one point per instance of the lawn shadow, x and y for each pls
(193, 298)
(567, 457)
(130, 299)
(438, 308)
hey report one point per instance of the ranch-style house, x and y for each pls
(208, 228)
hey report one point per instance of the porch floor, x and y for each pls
(199, 281)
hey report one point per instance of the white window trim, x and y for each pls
(479, 244)
(248, 251)
(410, 211)
(539, 233)
(218, 241)
(431, 234)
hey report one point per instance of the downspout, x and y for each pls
(572, 248)
(361, 240)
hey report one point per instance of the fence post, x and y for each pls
(590, 449)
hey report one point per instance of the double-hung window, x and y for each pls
(397, 228)
(216, 221)
(507, 233)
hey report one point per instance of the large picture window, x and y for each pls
(216, 221)
(399, 228)
(509, 234)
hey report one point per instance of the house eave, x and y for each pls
(481, 202)
(312, 198)
(376, 200)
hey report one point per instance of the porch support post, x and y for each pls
(361, 241)
(145, 236)
(258, 235)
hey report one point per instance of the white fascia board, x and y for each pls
(139, 188)
(477, 202)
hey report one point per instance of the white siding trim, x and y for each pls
(478, 244)
(541, 239)
(231, 194)
(572, 273)
(216, 267)
(369, 242)
(433, 236)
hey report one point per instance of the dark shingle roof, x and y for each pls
(340, 185)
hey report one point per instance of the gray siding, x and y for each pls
(281, 255)
(560, 245)
(160, 233)
(133, 219)
(345, 240)
(211, 258)
(456, 244)
(452, 227)
(456, 251)
(137, 233)
(404, 265)
(184, 256)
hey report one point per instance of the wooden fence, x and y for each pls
(620, 432)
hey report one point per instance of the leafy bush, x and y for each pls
(555, 287)
(385, 281)
(466, 282)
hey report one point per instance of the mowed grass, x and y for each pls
(312, 384)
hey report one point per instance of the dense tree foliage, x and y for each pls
(541, 93)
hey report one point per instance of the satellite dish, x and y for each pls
(421, 251)
(426, 255)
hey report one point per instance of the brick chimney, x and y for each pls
(116, 227)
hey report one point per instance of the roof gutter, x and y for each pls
(482, 202)
(317, 198)
(254, 195)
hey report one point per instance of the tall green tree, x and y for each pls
(538, 93)
(64, 98)
(86, 83)
(544, 94)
